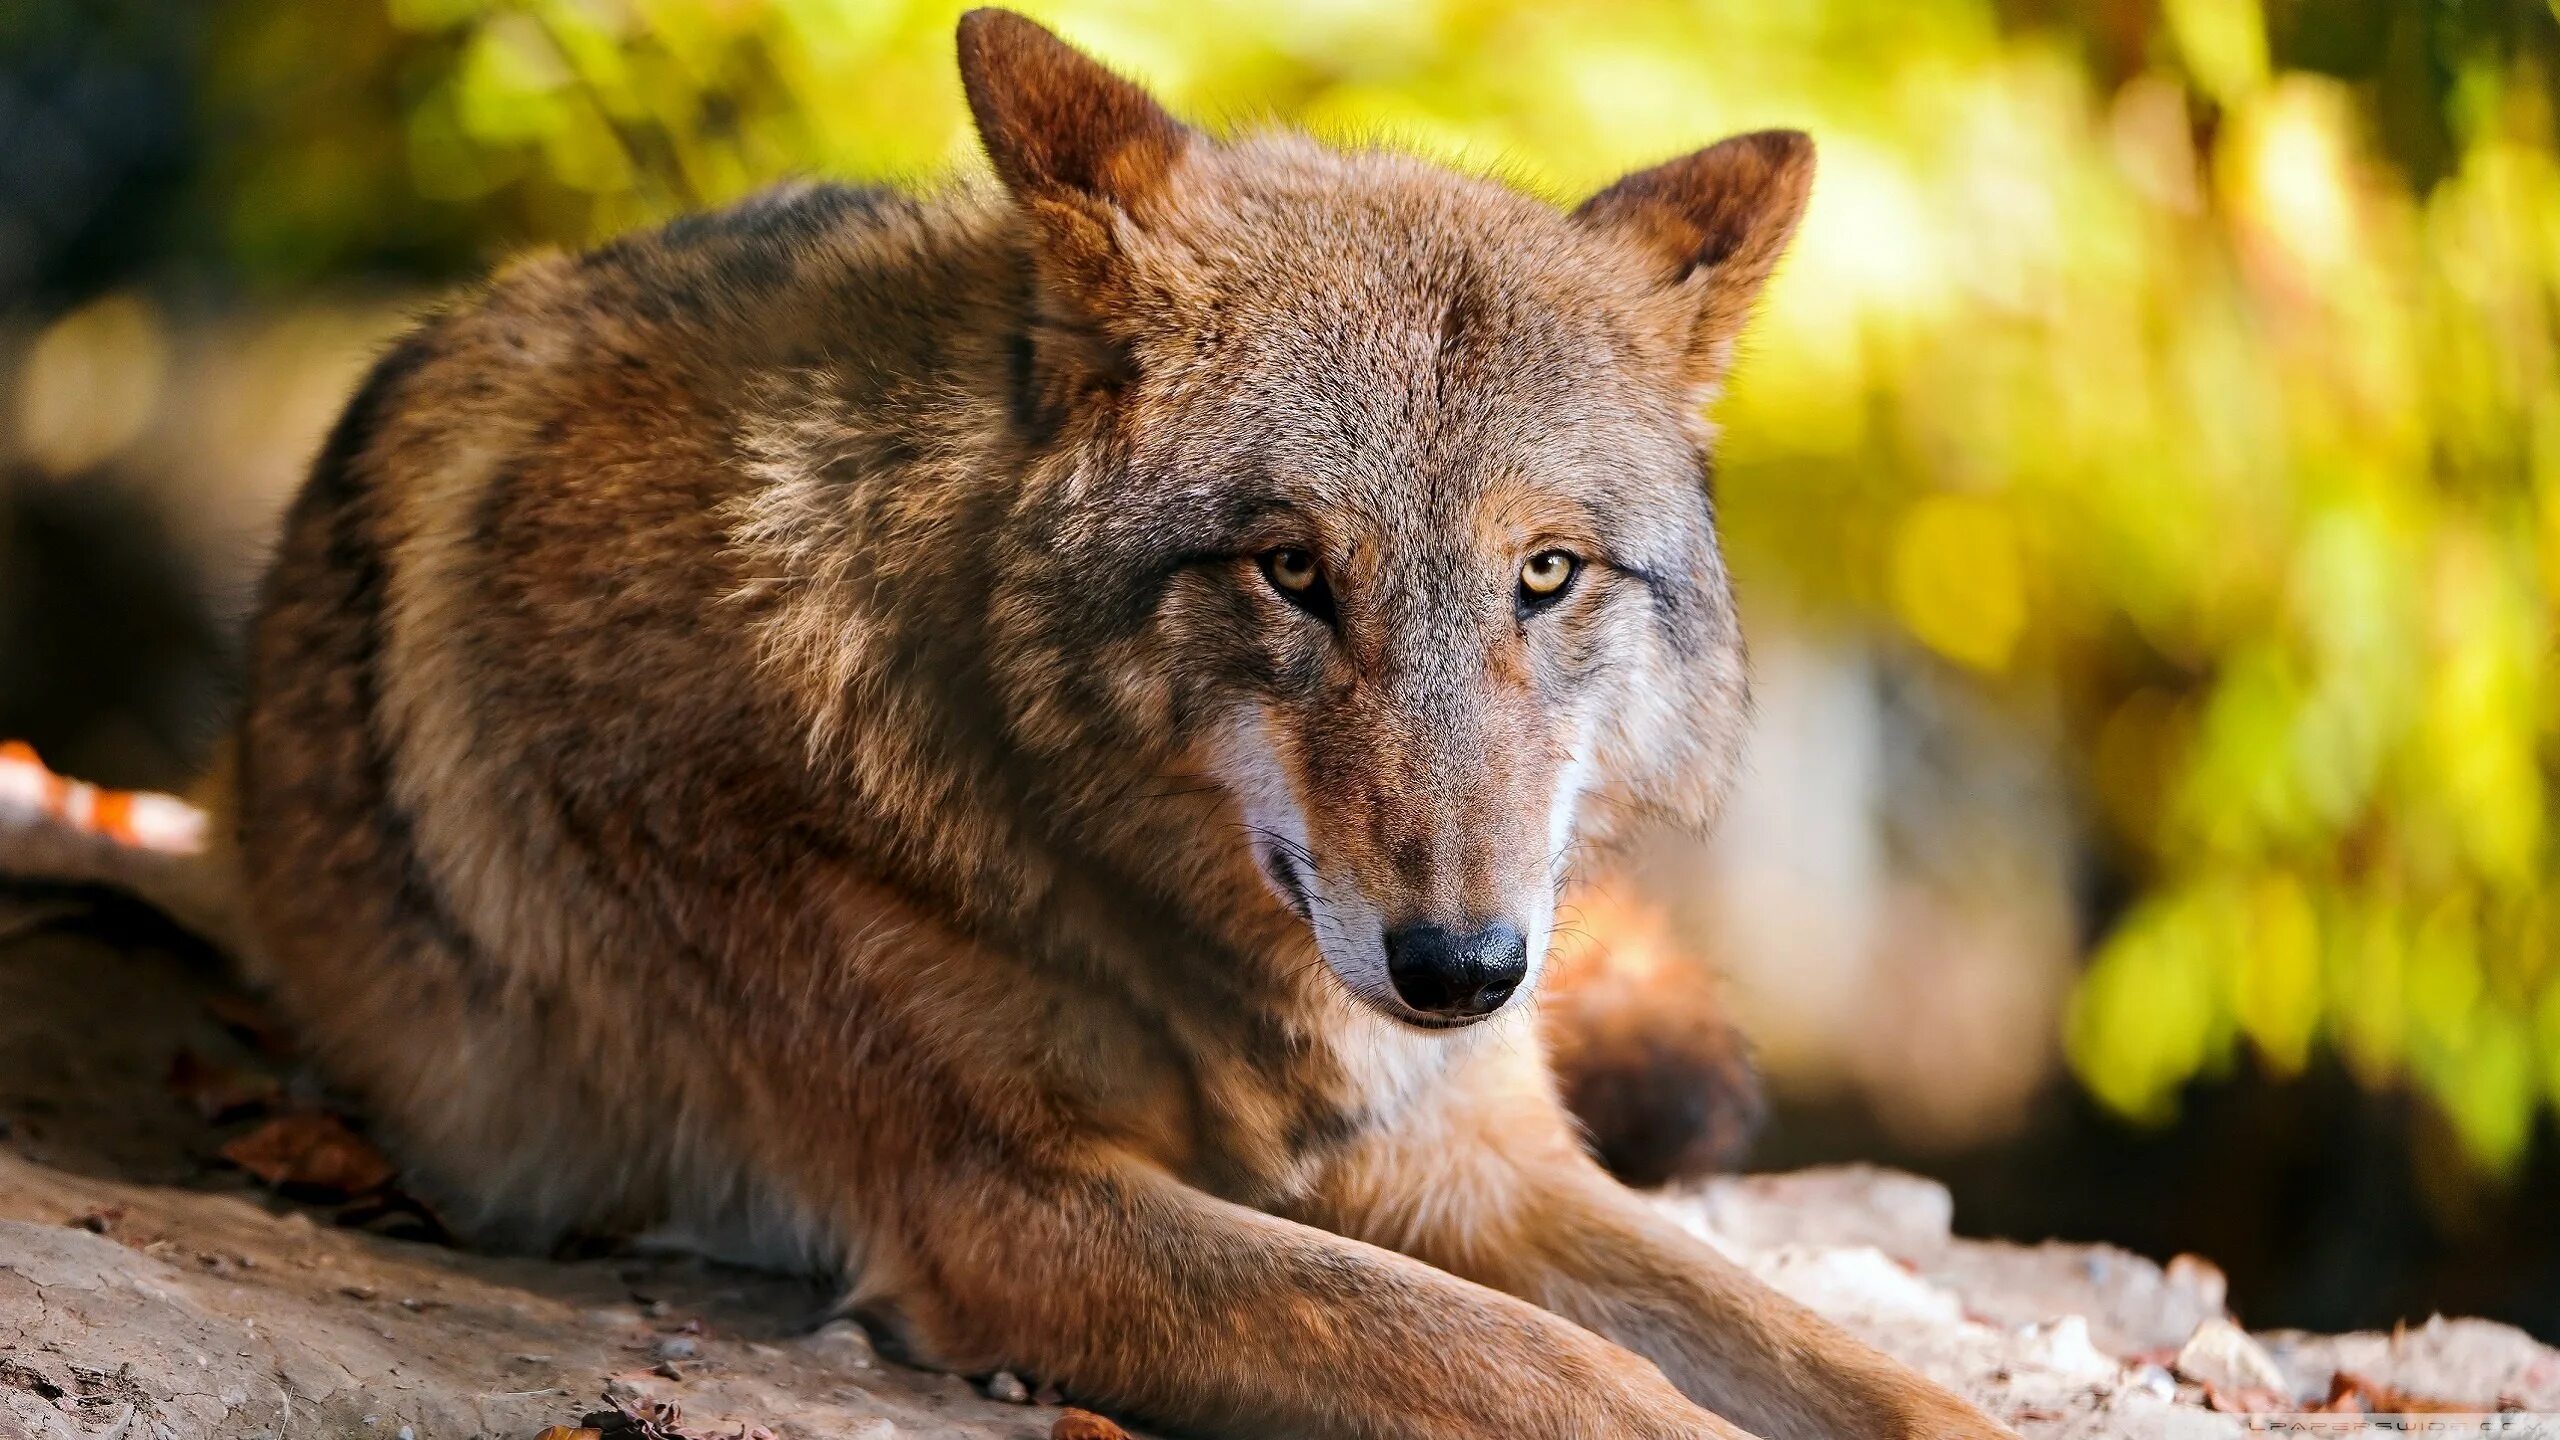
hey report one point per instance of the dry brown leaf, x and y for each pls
(1085, 1425)
(309, 1150)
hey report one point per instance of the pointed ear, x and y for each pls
(1085, 154)
(1059, 127)
(1718, 219)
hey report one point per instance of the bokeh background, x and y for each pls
(2144, 486)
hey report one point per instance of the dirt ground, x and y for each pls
(152, 1283)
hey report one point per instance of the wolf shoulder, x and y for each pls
(581, 511)
(877, 306)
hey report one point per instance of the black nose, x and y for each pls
(1456, 976)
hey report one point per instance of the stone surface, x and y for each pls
(148, 1291)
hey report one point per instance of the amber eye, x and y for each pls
(1300, 581)
(1544, 576)
(1292, 570)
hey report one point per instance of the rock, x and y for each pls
(843, 1342)
(2466, 1362)
(2062, 1347)
(1006, 1388)
(1858, 1279)
(165, 1349)
(2057, 1340)
(2154, 1380)
(2221, 1354)
(1901, 1215)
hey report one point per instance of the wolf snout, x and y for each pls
(1450, 976)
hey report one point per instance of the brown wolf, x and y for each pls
(1020, 747)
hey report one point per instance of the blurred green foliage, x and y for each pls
(2179, 370)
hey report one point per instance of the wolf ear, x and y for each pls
(1719, 219)
(1084, 154)
(1071, 140)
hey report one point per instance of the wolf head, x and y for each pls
(1380, 494)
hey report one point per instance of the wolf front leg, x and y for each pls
(1492, 1185)
(1140, 1295)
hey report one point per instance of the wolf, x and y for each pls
(1018, 747)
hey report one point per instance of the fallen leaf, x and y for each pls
(310, 1150)
(1085, 1425)
(635, 1417)
(564, 1432)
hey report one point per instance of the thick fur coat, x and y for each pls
(1021, 746)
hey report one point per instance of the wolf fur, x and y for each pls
(788, 731)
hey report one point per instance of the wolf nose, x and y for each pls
(1456, 976)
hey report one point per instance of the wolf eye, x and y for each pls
(1545, 576)
(1291, 570)
(1299, 579)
